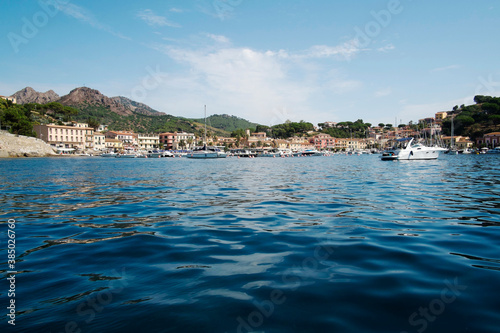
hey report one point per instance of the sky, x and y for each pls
(267, 61)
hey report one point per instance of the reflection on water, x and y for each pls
(337, 244)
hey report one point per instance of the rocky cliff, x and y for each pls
(137, 107)
(87, 96)
(23, 146)
(30, 95)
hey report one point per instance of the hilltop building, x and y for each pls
(9, 98)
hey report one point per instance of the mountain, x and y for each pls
(121, 113)
(84, 97)
(227, 123)
(137, 107)
(29, 95)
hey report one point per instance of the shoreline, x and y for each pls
(18, 146)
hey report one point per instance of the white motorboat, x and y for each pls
(109, 154)
(308, 152)
(409, 149)
(243, 153)
(126, 155)
(275, 152)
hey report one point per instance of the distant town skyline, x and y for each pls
(264, 61)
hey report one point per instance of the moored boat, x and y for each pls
(205, 151)
(495, 150)
(409, 149)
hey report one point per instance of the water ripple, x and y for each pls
(332, 244)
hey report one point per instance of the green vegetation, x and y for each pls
(16, 118)
(226, 122)
(472, 120)
(475, 120)
(19, 119)
(136, 122)
(346, 129)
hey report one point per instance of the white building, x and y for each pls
(99, 141)
(148, 141)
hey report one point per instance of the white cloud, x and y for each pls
(218, 38)
(86, 16)
(440, 69)
(267, 86)
(386, 48)
(152, 19)
(343, 51)
(176, 10)
(383, 92)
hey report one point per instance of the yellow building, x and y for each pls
(114, 144)
(440, 116)
(66, 136)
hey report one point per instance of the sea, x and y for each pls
(305, 244)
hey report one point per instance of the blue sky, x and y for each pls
(263, 60)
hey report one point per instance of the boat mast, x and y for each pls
(205, 135)
(452, 145)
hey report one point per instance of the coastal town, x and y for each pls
(72, 137)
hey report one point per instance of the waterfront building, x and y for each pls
(128, 138)
(323, 141)
(167, 140)
(490, 140)
(349, 144)
(226, 141)
(463, 143)
(256, 138)
(187, 140)
(148, 141)
(297, 142)
(173, 140)
(66, 136)
(281, 144)
(99, 141)
(113, 144)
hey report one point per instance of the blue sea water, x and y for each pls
(316, 244)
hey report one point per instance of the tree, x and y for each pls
(490, 108)
(455, 108)
(14, 116)
(93, 122)
(381, 125)
(495, 118)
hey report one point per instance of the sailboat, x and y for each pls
(205, 151)
(453, 150)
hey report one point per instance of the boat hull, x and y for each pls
(206, 155)
(412, 151)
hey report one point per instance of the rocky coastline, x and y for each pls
(12, 145)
